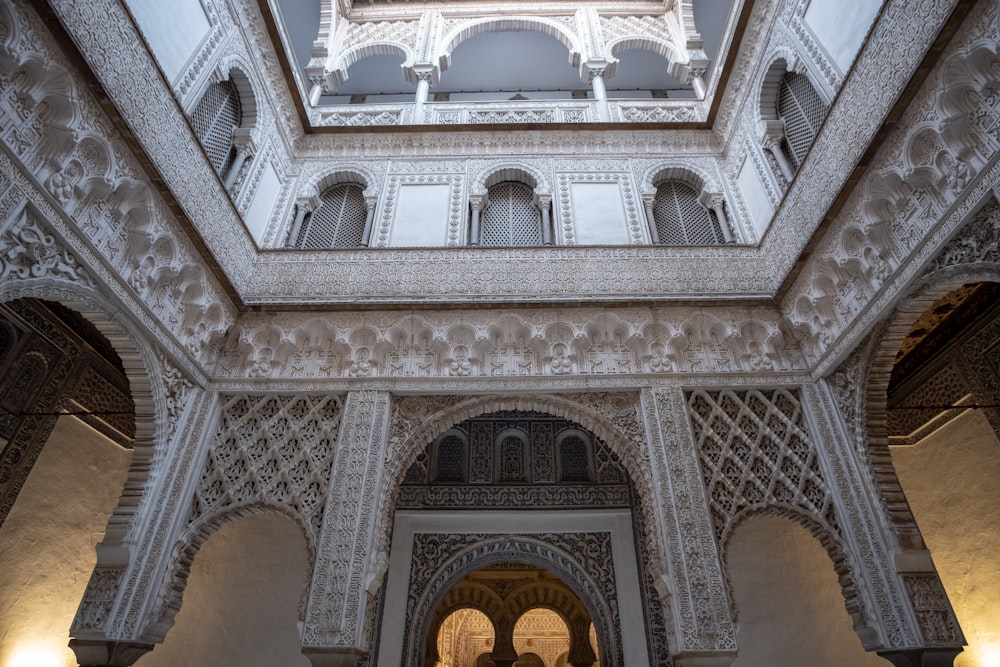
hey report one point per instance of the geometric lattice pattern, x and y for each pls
(214, 119)
(681, 219)
(511, 217)
(803, 111)
(755, 451)
(339, 221)
(274, 450)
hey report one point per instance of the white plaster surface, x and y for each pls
(758, 204)
(791, 611)
(840, 26)
(47, 542)
(599, 214)
(409, 523)
(240, 604)
(173, 29)
(421, 216)
(264, 199)
(952, 482)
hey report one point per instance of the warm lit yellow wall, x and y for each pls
(952, 482)
(791, 611)
(240, 604)
(47, 542)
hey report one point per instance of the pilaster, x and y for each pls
(334, 632)
(693, 586)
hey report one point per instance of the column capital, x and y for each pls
(307, 203)
(477, 202)
(772, 132)
(426, 72)
(595, 68)
(712, 199)
(103, 653)
(243, 140)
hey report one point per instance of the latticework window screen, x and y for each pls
(339, 221)
(681, 219)
(573, 463)
(511, 217)
(215, 117)
(803, 110)
(451, 459)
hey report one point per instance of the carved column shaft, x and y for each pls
(647, 203)
(913, 610)
(334, 632)
(596, 74)
(693, 584)
(126, 605)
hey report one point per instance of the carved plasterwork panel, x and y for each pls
(566, 231)
(456, 206)
(755, 450)
(271, 450)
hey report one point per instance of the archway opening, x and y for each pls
(243, 598)
(530, 492)
(540, 637)
(375, 79)
(499, 66)
(943, 426)
(67, 426)
(465, 639)
(788, 600)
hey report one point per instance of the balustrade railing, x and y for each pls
(515, 111)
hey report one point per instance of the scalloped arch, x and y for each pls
(338, 175)
(140, 364)
(849, 582)
(174, 582)
(545, 26)
(511, 171)
(357, 53)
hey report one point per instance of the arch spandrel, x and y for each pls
(418, 420)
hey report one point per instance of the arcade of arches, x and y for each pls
(680, 351)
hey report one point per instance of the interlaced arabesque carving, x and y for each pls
(271, 450)
(754, 451)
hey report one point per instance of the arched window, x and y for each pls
(338, 222)
(450, 459)
(512, 459)
(681, 219)
(803, 110)
(574, 464)
(511, 217)
(214, 120)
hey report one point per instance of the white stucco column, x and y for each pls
(424, 75)
(717, 203)
(774, 132)
(647, 204)
(244, 145)
(370, 204)
(544, 203)
(303, 206)
(476, 203)
(595, 76)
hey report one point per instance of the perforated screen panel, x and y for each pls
(802, 109)
(681, 219)
(215, 117)
(339, 222)
(511, 218)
